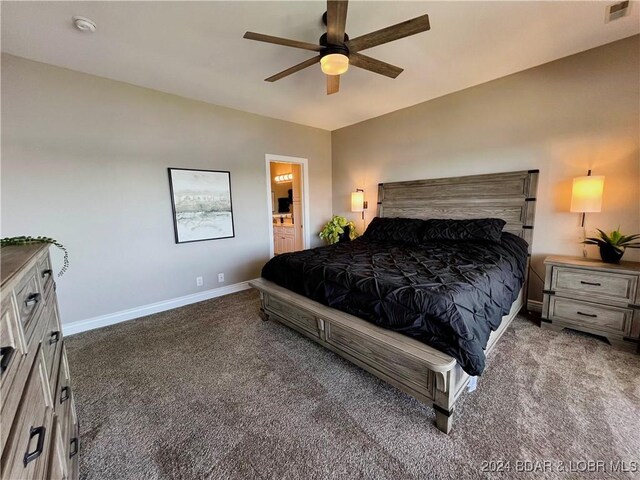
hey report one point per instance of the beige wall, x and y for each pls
(84, 160)
(563, 118)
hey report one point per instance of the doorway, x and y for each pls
(287, 204)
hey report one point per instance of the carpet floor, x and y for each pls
(211, 391)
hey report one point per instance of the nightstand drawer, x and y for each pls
(614, 286)
(603, 318)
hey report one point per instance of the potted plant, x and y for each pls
(338, 229)
(613, 245)
(25, 240)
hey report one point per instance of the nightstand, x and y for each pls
(594, 297)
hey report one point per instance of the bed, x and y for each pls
(365, 299)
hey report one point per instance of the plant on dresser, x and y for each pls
(39, 435)
(613, 245)
(26, 240)
(594, 297)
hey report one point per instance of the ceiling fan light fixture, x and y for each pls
(334, 64)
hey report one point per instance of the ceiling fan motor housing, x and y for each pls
(329, 49)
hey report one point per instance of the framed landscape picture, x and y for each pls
(201, 203)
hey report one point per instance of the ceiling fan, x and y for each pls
(338, 51)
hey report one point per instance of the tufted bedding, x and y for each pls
(449, 294)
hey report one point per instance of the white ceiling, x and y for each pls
(196, 49)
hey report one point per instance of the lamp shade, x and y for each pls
(357, 201)
(586, 195)
(334, 64)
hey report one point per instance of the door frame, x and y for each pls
(304, 163)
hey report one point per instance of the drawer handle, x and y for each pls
(65, 393)
(595, 284)
(74, 442)
(32, 299)
(29, 456)
(7, 355)
(592, 315)
(46, 273)
(55, 337)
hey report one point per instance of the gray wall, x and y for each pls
(84, 160)
(563, 118)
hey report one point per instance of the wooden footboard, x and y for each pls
(425, 373)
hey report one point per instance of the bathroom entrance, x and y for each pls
(287, 203)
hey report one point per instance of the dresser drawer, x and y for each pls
(67, 423)
(62, 396)
(27, 449)
(45, 273)
(11, 345)
(15, 367)
(58, 465)
(602, 318)
(73, 441)
(29, 301)
(51, 339)
(613, 286)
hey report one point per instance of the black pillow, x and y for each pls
(406, 230)
(476, 229)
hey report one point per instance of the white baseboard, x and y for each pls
(534, 306)
(132, 313)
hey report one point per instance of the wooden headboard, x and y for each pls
(510, 196)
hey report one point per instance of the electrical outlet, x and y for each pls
(220, 277)
(199, 281)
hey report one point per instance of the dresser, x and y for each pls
(594, 297)
(39, 431)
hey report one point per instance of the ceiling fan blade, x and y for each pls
(294, 69)
(373, 65)
(282, 41)
(333, 84)
(336, 20)
(389, 34)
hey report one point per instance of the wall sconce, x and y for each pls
(586, 197)
(285, 177)
(358, 203)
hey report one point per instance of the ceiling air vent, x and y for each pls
(616, 11)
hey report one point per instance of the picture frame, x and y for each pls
(201, 204)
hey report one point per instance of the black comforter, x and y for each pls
(447, 294)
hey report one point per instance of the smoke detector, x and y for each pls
(84, 24)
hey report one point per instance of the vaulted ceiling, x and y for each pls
(196, 49)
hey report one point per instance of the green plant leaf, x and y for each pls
(26, 240)
(627, 239)
(615, 237)
(604, 236)
(334, 228)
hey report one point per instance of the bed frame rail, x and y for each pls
(421, 371)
